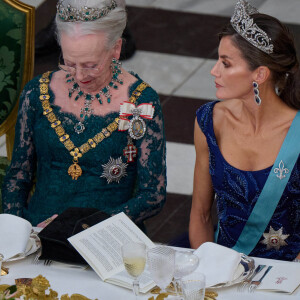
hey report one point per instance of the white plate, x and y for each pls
(244, 270)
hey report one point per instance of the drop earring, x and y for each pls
(257, 99)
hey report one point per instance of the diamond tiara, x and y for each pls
(84, 14)
(244, 25)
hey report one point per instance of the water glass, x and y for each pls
(161, 261)
(193, 286)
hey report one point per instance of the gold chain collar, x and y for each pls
(75, 170)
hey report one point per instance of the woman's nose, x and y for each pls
(215, 70)
(79, 73)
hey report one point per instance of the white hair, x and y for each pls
(112, 24)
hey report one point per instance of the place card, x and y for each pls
(282, 278)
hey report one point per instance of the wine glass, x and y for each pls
(134, 259)
(161, 261)
(186, 262)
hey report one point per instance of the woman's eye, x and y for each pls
(90, 66)
(226, 65)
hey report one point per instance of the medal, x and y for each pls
(114, 170)
(274, 239)
(130, 151)
(136, 126)
(74, 170)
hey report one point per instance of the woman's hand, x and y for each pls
(47, 221)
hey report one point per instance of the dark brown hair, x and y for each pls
(283, 62)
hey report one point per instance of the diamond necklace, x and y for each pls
(86, 111)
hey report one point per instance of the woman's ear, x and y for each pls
(117, 48)
(262, 74)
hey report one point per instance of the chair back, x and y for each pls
(16, 61)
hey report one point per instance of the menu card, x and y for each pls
(283, 278)
(100, 245)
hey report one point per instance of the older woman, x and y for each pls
(247, 147)
(91, 134)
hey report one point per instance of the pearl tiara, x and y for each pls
(245, 26)
(83, 14)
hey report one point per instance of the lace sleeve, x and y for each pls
(150, 195)
(18, 180)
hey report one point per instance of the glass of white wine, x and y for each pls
(134, 258)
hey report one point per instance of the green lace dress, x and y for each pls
(40, 156)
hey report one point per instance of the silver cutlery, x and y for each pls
(47, 262)
(246, 283)
(36, 260)
(255, 283)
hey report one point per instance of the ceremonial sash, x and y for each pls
(272, 191)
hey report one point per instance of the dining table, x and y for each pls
(80, 279)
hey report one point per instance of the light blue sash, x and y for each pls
(272, 191)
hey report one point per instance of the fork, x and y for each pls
(255, 283)
(36, 260)
(247, 281)
(47, 262)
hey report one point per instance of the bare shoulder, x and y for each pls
(199, 139)
(58, 80)
(128, 78)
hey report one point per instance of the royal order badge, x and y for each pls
(136, 126)
(114, 170)
(130, 151)
(274, 239)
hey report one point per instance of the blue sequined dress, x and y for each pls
(38, 154)
(237, 192)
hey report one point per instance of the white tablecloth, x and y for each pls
(68, 280)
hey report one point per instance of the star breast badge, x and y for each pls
(114, 170)
(274, 239)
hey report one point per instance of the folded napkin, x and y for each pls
(284, 277)
(17, 240)
(218, 263)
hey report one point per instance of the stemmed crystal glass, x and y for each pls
(134, 259)
(186, 262)
(161, 261)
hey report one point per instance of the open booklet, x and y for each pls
(17, 239)
(100, 245)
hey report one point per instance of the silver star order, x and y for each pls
(114, 170)
(274, 239)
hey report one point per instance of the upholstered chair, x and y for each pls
(17, 22)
